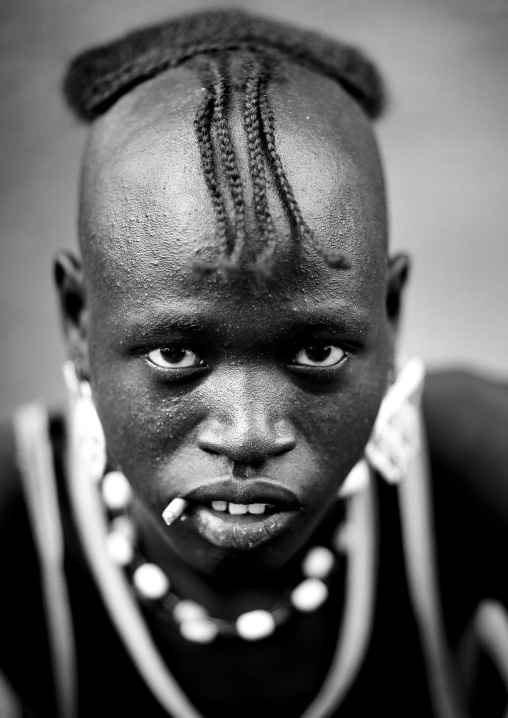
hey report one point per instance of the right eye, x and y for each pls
(174, 358)
(319, 356)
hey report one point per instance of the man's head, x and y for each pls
(237, 313)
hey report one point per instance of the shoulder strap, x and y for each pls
(35, 459)
(10, 707)
(419, 551)
(486, 635)
(361, 538)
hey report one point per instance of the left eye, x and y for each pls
(174, 358)
(319, 356)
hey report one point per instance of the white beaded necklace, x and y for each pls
(153, 587)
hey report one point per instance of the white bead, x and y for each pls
(119, 548)
(116, 491)
(199, 630)
(255, 625)
(125, 526)
(309, 595)
(150, 581)
(318, 562)
(187, 610)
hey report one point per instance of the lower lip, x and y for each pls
(241, 532)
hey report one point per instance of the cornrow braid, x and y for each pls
(211, 119)
(256, 69)
(229, 162)
(202, 126)
(97, 78)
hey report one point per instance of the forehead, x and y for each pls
(147, 216)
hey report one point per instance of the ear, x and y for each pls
(71, 290)
(397, 274)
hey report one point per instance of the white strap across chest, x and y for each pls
(420, 556)
(35, 460)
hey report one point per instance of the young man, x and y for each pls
(265, 541)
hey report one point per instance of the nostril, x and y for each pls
(205, 446)
(246, 453)
(249, 443)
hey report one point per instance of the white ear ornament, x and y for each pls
(396, 436)
(88, 435)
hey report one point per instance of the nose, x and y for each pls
(246, 422)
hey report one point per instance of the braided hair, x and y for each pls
(98, 77)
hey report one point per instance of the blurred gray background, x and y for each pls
(445, 144)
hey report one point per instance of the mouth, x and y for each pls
(240, 515)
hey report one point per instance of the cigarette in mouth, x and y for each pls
(174, 509)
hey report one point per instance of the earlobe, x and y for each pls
(397, 274)
(68, 275)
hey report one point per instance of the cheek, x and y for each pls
(144, 425)
(337, 426)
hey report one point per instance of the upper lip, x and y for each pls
(245, 491)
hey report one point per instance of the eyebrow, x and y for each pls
(350, 320)
(163, 322)
(353, 324)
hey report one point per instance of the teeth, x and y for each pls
(220, 505)
(257, 508)
(239, 508)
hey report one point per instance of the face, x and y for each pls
(253, 401)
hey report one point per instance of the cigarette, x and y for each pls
(174, 509)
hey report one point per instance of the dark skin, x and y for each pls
(241, 393)
(256, 397)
